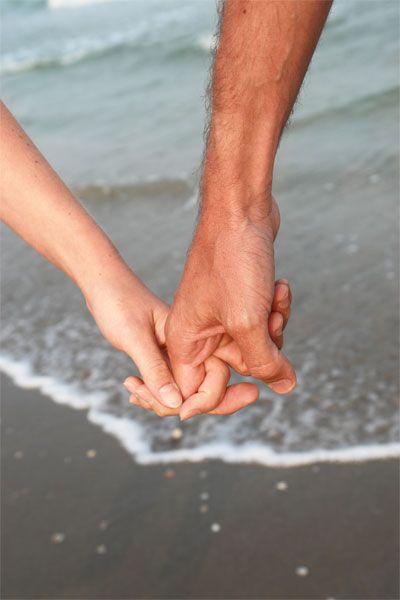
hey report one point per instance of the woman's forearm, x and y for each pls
(41, 209)
(37, 205)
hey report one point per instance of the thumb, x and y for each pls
(188, 377)
(155, 372)
(265, 362)
(184, 353)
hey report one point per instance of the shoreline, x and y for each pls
(127, 531)
(129, 435)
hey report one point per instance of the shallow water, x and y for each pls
(112, 92)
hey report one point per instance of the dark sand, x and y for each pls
(339, 521)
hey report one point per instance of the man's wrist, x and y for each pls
(238, 165)
(234, 206)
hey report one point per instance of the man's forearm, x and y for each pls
(264, 51)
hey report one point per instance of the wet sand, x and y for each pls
(81, 520)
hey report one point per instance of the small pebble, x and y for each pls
(374, 178)
(176, 434)
(203, 508)
(204, 496)
(103, 525)
(169, 473)
(57, 538)
(101, 549)
(91, 453)
(302, 571)
(352, 248)
(18, 494)
(215, 527)
(282, 486)
(18, 455)
(203, 474)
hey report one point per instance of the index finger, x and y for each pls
(210, 392)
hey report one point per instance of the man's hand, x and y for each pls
(213, 396)
(225, 297)
(133, 320)
(224, 301)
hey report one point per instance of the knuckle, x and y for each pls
(161, 412)
(265, 370)
(241, 368)
(209, 399)
(168, 413)
(157, 365)
(259, 372)
(246, 323)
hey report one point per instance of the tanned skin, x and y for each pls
(225, 297)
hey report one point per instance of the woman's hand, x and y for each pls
(213, 395)
(133, 320)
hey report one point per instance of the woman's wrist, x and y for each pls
(115, 279)
(102, 270)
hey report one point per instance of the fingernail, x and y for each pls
(284, 281)
(131, 388)
(170, 395)
(284, 386)
(191, 413)
(279, 331)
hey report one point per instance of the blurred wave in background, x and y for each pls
(112, 92)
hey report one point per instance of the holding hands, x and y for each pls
(203, 338)
(228, 310)
(212, 394)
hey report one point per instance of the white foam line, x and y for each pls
(132, 438)
(259, 454)
(54, 4)
(61, 393)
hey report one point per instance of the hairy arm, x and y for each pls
(226, 292)
(264, 50)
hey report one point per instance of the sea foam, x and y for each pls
(131, 435)
(55, 4)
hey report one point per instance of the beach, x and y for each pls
(82, 521)
(99, 502)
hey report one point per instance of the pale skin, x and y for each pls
(42, 210)
(225, 297)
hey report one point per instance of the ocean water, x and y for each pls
(113, 93)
